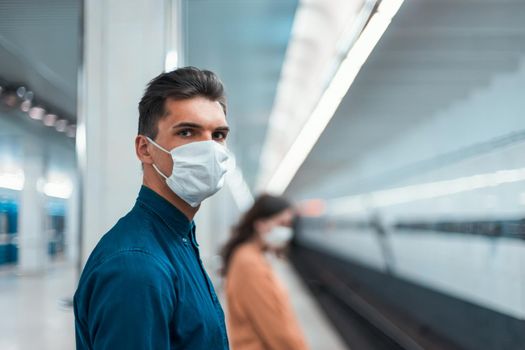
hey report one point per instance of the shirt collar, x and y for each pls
(167, 212)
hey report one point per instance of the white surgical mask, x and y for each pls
(278, 237)
(198, 171)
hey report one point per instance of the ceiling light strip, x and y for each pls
(331, 98)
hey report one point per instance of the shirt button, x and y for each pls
(184, 239)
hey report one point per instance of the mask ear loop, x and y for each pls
(157, 145)
(160, 173)
(162, 149)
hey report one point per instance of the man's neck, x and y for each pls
(165, 192)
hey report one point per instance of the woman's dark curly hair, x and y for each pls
(265, 206)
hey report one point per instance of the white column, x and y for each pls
(32, 236)
(125, 45)
(71, 225)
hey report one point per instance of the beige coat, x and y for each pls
(259, 315)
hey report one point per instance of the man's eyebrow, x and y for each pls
(223, 128)
(187, 125)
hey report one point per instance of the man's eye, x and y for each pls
(219, 135)
(185, 133)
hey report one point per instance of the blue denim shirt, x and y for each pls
(144, 286)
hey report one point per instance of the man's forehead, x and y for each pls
(192, 103)
(199, 111)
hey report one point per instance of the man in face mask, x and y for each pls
(144, 286)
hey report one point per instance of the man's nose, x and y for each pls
(206, 136)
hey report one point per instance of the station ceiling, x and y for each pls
(39, 47)
(434, 54)
(243, 41)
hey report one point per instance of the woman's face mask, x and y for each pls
(199, 169)
(278, 237)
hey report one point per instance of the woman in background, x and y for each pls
(259, 313)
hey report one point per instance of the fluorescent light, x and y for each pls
(50, 119)
(389, 8)
(331, 98)
(12, 181)
(36, 113)
(62, 189)
(171, 61)
(61, 125)
(25, 106)
(29, 96)
(400, 195)
(21, 91)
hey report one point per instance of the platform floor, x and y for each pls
(34, 316)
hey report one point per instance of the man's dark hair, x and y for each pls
(180, 84)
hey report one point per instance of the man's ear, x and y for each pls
(142, 149)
